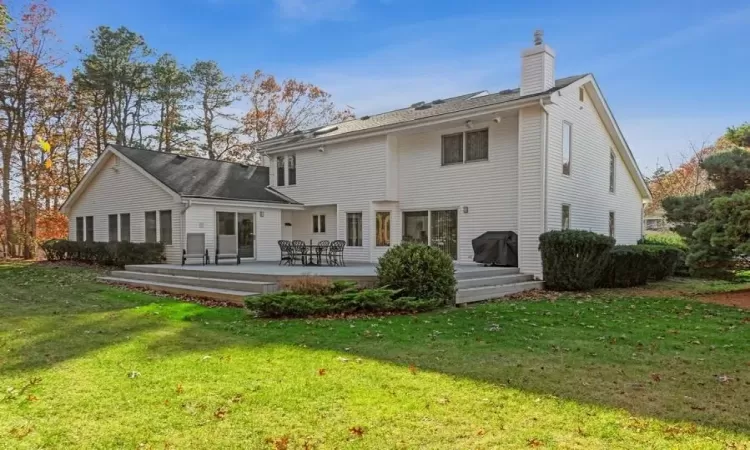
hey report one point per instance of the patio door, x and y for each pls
(444, 231)
(226, 229)
(246, 234)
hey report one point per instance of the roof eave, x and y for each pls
(433, 120)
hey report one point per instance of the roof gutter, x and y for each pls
(435, 120)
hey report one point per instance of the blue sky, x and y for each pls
(674, 72)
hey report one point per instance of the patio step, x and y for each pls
(206, 280)
(201, 273)
(467, 272)
(195, 291)
(478, 294)
(467, 283)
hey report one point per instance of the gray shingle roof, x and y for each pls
(190, 176)
(415, 112)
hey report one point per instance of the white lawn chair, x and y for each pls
(227, 248)
(196, 248)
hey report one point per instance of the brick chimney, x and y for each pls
(537, 67)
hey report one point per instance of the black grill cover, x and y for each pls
(497, 248)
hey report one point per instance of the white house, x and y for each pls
(544, 156)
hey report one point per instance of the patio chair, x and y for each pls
(323, 248)
(195, 248)
(286, 252)
(299, 251)
(336, 253)
(227, 248)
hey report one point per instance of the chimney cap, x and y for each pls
(538, 37)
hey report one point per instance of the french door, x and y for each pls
(439, 228)
(239, 228)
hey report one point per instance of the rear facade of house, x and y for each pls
(546, 156)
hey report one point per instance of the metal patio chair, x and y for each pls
(227, 248)
(286, 252)
(299, 251)
(195, 248)
(324, 248)
(336, 252)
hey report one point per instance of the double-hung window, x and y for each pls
(567, 143)
(165, 227)
(292, 170)
(565, 225)
(125, 227)
(79, 229)
(89, 228)
(112, 228)
(151, 227)
(612, 168)
(280, 170)
(611, 224)
(319, 223)
(354, 229)
(383, 229)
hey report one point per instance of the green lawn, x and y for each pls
(84, 365)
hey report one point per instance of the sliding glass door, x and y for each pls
(437, 228)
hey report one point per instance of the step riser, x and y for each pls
(235, 285)
(494, 281)
(186, 290)
(239, 276)
(486, 272)
(493, 292)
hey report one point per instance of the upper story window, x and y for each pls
(567, 143)
(280, 170)
(612, 167)
(453, 148)
(476, 144)
(581, 94)
(292, 170)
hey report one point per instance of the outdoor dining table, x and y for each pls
(318, 249)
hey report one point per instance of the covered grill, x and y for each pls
(496, 248)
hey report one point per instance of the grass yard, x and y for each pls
(83, 365)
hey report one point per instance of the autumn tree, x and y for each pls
(170, 93)
(739, 135)
(25, 70)
(278, 108)
(688, 178)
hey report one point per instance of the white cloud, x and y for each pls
(315, 10)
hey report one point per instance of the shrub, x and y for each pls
(419, 271)
(635, 265)
(668, 238)
(348, 301)
(573, 260)
(307, 285)
(113, 253)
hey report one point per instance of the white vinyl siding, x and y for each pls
(346, 177)
(587, 188)
(530, 189)
(487, 191)
(122, 189)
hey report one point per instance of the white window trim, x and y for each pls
(613, 171)
(570, 216)
(562, 148)
(375, 229)
(463, 148)
(346, 228)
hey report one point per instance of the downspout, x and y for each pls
(183, 222)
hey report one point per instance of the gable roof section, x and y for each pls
(416, 112)
(605, 113)
(191, 176)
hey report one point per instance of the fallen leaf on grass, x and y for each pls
(221, 413)
(413, 369)
(357, 431)
(133, 374)
(676, 430)
(237, 398)
(280, 443)
(321, 372)
(21, 432)
(656, 377)
(32, 398)
(481, 432)
(179, 389)
(534, 442)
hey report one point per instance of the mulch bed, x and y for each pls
(739, 299)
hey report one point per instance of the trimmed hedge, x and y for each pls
(635, 265)
(106, 253)
(419, 271)
(348, 301)
(573, 260)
